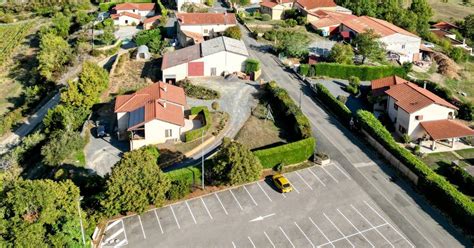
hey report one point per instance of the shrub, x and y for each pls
(291, 22)
(342, 99)
(301, 20)
(9, 120)
(304, 69)
(354, 85)
(178, 189)
(339, 108)
(266, 17)
(197, 91)
(365, 73)
(291, 153)
(251, 65)
(215, 106)
(406, 138)
(61, 145)
(197, 133)
(461, 178)
(192, 175)
(233, 32)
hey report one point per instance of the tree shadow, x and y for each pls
(152, 70)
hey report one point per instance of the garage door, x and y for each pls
(195, 69)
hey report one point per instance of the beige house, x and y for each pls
(275, 8)
(152, 115)
(310, 7)
(210, 58)
(194, 28)
(131, 14)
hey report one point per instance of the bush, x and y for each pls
(406, 138)
(178, 189)
(442, 193)
(354, 85)
(266, 17)
(107, 52)
(338, 107)
(106, 6)
(251, 65)
(288, 154)
(461, 178)
(233, 32)
(191, 175)
(197, 133)
(291, 23)
(61, 145)
(364, 73)
(197, 91)
(9, 120)
(215, 106)
(304, 69)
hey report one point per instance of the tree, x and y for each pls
(342, 54)
(61, 145)
(83, 18)
(151, 38)
(39, 213)
(291, 43)
(368, 46)
(468, 27)
(354, 85)
(58, 118)
(233, 32)
(136, 182)
(424, 12)
(234, 164)
(54, 53)
(61, 24)
(251, 65)
(457, 54)
(108, 36)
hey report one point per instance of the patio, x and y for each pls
(442, 146)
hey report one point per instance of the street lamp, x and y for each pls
(80, 219)
(202, 159)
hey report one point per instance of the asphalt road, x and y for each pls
(423, 225)
(336, 212)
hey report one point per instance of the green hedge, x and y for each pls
(196, 133)
(107, 52)
(363, 72)
(462, 178)
(303, 69)
(291, 153)
(338, 107)
(283, 103)
(191, 175)
(435, 187)
(251, 65)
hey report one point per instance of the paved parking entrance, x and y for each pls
(326, 209)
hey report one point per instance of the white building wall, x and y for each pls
(430, 113)
(139, 12)
(179, 72)
(122, 121)
(406, 46)
(125, 21)
(155, 134)
(205, 30)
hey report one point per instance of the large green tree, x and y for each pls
(135, 183)
(292, 43)
(468, 27)
(54, 53)
(61, 24)
(61, 145)
(368, 45)
(151, 38)
(234, 164)
(342, 54)
(422, 9)
(39, 213)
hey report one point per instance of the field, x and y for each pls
(450, 9)
(12, 35)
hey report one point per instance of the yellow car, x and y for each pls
(282, 183)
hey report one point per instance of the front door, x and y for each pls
(213, 71)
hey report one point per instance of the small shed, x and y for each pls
(142, 53)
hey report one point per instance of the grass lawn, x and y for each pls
(440, 159)
(468, 155)
(465, 83)
(450, 9)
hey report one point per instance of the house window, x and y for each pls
(213, 71)
(206, 31)
(403, 46)
(395, 106)
(450, 115)
(419, 117)
(126, 21)
(402, 129)
(168, 133)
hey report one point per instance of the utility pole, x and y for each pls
(202, 159)
(80, 220)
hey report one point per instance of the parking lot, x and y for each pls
(325, 209)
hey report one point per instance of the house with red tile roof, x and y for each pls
(197, 27)
(379, 86)
(275, 8)
(152, 115)
(328, 22)
(126, 14)
(309, 8)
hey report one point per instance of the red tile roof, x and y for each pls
(269, 4)
(380, 27)
(151, 19)
(206, 18)
(445, 25)
(412, 98)
(132, 15)
(379, 86)
(313, 4)
(329, 18)
(131, 6)
(445, 129)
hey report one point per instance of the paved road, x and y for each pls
(336, 212)
(423, 225)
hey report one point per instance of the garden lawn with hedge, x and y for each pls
(196, 133)
(197, 91)
(191, 175)
(363, 72)
(287, 154)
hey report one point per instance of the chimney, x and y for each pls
(424, 85)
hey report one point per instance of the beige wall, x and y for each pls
(430, 113)
(155, 134)
(138, 12)
(200, 29)
(404, 45)
(122, 21)
(122, 121)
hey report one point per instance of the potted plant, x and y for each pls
(321, 158)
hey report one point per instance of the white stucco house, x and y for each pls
(309, 8)
(152, 115)
(194, 28)
(275, 8)
(210, 58)
(126, 14)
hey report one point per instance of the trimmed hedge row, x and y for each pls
(338, 107)
(190, 175)
(462, 178)
(283, 103)
(435, 187)
(291, 153)
(196, 133)
(363, 72)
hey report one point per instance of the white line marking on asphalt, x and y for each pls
(158, 219)
(113, 224)
(124, 232)
(301, 230)
(174, 215)
(372, 226)
(114, 235)
(314, 174)
(250, 196)
(233, 244)
(251, 241)
(191, 212)
(141, 224)
(337, 228)
(271, 242)
(235, 198)
(391, 225)
(209, 213)
(293, 185)
(222, 205)
(327, 172)
(304, 181)
(121, 243)
(358, 231)
(342, 171)
(281, 229)
(329, 241)
(351, 235)
(270, 199)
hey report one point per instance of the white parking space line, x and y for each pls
(304, 181)
(390, 224)
(251, 241)
(309, 169)
(271, 242)
(352, 235)
(327, 172)
(301, 230)
(113, 224)
(141, 224)
(358, 231)
(324, 235)
(250, 196)
(342, 171)
(158, 219)
(383, 236)
(207, 210)
(118, 232)
(124, 232)
(174, 215)
(337, 228)
(233, 244)
(286, 236)
(222, 205)
(191, 212)
(270, 199)
(293, 185)
(235, 198)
